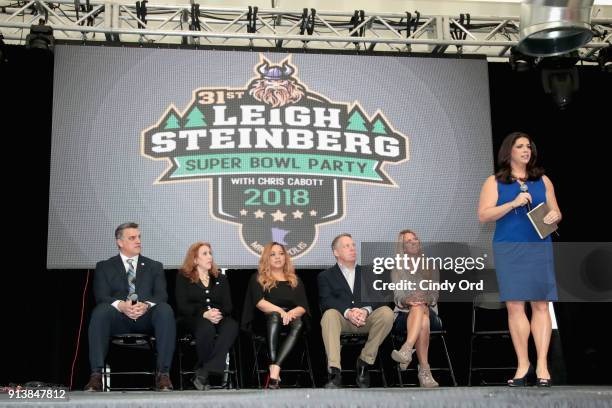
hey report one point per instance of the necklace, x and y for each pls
(205, 279)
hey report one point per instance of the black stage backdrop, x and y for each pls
(41, 308)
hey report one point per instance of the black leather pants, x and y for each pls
(278, 353)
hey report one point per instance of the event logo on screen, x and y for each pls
(278, 154)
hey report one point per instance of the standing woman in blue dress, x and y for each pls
(523, 261)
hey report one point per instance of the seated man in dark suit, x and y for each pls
(130, 292)
(343, 311)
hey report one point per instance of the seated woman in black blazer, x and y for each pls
(204, 305)
(277, 292)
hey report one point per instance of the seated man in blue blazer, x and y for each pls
(344, 312)
(130, 292)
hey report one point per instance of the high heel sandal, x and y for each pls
(272, 383)
(544, 382)
(525, 380)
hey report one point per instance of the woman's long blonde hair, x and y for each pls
(264, 273)
(399, 250)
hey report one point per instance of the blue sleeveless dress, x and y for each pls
(523, 262)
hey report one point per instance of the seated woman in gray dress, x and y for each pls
(204, 304)
(414, 310)
(277, 292)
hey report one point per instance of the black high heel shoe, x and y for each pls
(272, 383)
(544, 382)
(525, 380)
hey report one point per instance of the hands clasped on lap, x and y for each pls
(214, 315)
(357, 316)
(133, 311)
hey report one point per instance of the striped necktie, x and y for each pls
(131, 273)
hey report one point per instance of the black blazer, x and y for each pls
(111, 283)
(193, 299)
(335, 292)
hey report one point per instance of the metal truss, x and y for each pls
(360, 30)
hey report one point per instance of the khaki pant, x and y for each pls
(378, 325)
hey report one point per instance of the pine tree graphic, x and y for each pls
(172, 122)
(379, 127)
(356, 122)
(195, 119)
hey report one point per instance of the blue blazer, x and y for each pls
(335, 292)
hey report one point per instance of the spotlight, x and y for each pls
(520, 62)
(605, 59)
(560, 78)
(40, 37)
(554, 27)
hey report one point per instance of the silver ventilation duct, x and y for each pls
(554, 27)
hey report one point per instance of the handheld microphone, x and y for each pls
(525, 189)
(133, 297)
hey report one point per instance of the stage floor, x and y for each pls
(561, 396)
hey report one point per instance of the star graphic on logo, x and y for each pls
(259, 213)
(243, 212)
(278, 216)
(313, 213)
(297, 214)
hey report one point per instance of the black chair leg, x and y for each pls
(180, 366)
(399, 375)
(256, 349)
(400, 380)
(471, 360)
(240, 377)
(382, 372)
(236, 365)
(448, 360)
(226, 381)
(309, 362)
(104, 378)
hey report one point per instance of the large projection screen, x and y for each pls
(239, 148)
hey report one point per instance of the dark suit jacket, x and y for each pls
(335, 292)
(193, 299)
(111, 283)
